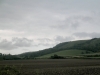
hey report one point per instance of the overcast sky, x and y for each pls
(32, 25)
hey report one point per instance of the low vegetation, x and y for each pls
(9, 70)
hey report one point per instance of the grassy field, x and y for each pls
(65, 53)
(55, 66)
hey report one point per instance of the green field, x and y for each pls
(66, 53)
(52, 67)
(97, 53)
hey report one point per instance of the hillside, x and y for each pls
(67, 53)
(92, 45)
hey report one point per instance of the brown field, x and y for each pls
(55, 66)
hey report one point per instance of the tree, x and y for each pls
(55, 56)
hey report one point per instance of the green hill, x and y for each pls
(92, 45)
(66, 53)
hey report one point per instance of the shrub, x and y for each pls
(8, 70)
(57, 57)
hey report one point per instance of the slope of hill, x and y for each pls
(67, 53)
(92, 45)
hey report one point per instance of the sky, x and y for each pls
(33, 25)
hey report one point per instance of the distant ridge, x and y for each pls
(92, 45)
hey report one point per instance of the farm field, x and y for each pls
(55, 66)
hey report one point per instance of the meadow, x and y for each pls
(54, 66)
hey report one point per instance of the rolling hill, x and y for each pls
(67, 53)
(69, 48)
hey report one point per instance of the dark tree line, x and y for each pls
(8, 57)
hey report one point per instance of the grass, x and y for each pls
(97, 53)
(65, 53)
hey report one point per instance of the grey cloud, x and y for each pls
(74, 22)
(24, 15)
(22, 42)
(45, 42)
(15, 43)
(60, 39)
(85, 34)
(6, 45)
(31, 15)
